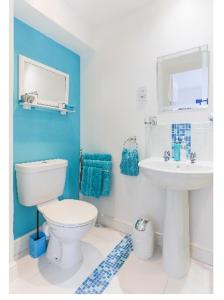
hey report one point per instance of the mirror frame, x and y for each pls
(161, 108)
(23, 60)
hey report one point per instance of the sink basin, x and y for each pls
(178, 175)
(178, 178)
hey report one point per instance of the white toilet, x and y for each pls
(41, 183)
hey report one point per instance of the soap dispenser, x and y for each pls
(177, 150)
(183, 149)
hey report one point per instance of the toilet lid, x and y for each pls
(69, 212)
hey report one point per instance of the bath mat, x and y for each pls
(97, 282)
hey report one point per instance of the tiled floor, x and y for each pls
(136, 276)
(148, 277)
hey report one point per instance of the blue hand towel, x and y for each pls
(106, 167)
(129, 162)
(106, 184)
(91, 182)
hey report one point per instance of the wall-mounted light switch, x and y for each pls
(142, 94)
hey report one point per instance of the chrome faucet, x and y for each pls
(193, 157)
(151, 122)
(166, 155)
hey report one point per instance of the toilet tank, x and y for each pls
(40, 181)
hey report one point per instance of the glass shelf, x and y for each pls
(29, 106)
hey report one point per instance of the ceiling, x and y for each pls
(99, 12)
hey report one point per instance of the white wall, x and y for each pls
(65, 16)
(125, 59)
(57, 20)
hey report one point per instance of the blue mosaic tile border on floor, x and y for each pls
(97, 282)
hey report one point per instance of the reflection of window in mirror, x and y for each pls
(182, 80)
(190, 88)
(49, 85)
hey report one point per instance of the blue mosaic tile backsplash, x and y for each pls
(178, 131)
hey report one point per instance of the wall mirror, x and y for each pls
(182, 80)
(41, 84)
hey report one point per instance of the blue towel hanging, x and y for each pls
(97, 173)
(92, 182)
(129, 162)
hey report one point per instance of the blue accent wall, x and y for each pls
(40, 135)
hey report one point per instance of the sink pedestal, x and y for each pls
(176, 251)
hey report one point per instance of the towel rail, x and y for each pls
(80, 168)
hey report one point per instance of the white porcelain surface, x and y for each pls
(176, 252)
(177, 178)
(41, 181)
(178, 175)
(69, 221)
(68, 212)
(43, 165)
(64, 247)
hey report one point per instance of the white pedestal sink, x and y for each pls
(178, 178)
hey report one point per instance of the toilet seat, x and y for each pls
(68, 212)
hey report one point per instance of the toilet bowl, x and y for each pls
(68, 221)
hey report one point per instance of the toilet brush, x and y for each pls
(37, 232)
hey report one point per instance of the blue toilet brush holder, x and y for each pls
(37, 247)
(37, 241)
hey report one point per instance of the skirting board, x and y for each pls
(21, 245)
(12, 270)
(201, 254)
(197, 252)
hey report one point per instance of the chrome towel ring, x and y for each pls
(131, 140)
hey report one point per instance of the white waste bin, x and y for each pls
(143, 238)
